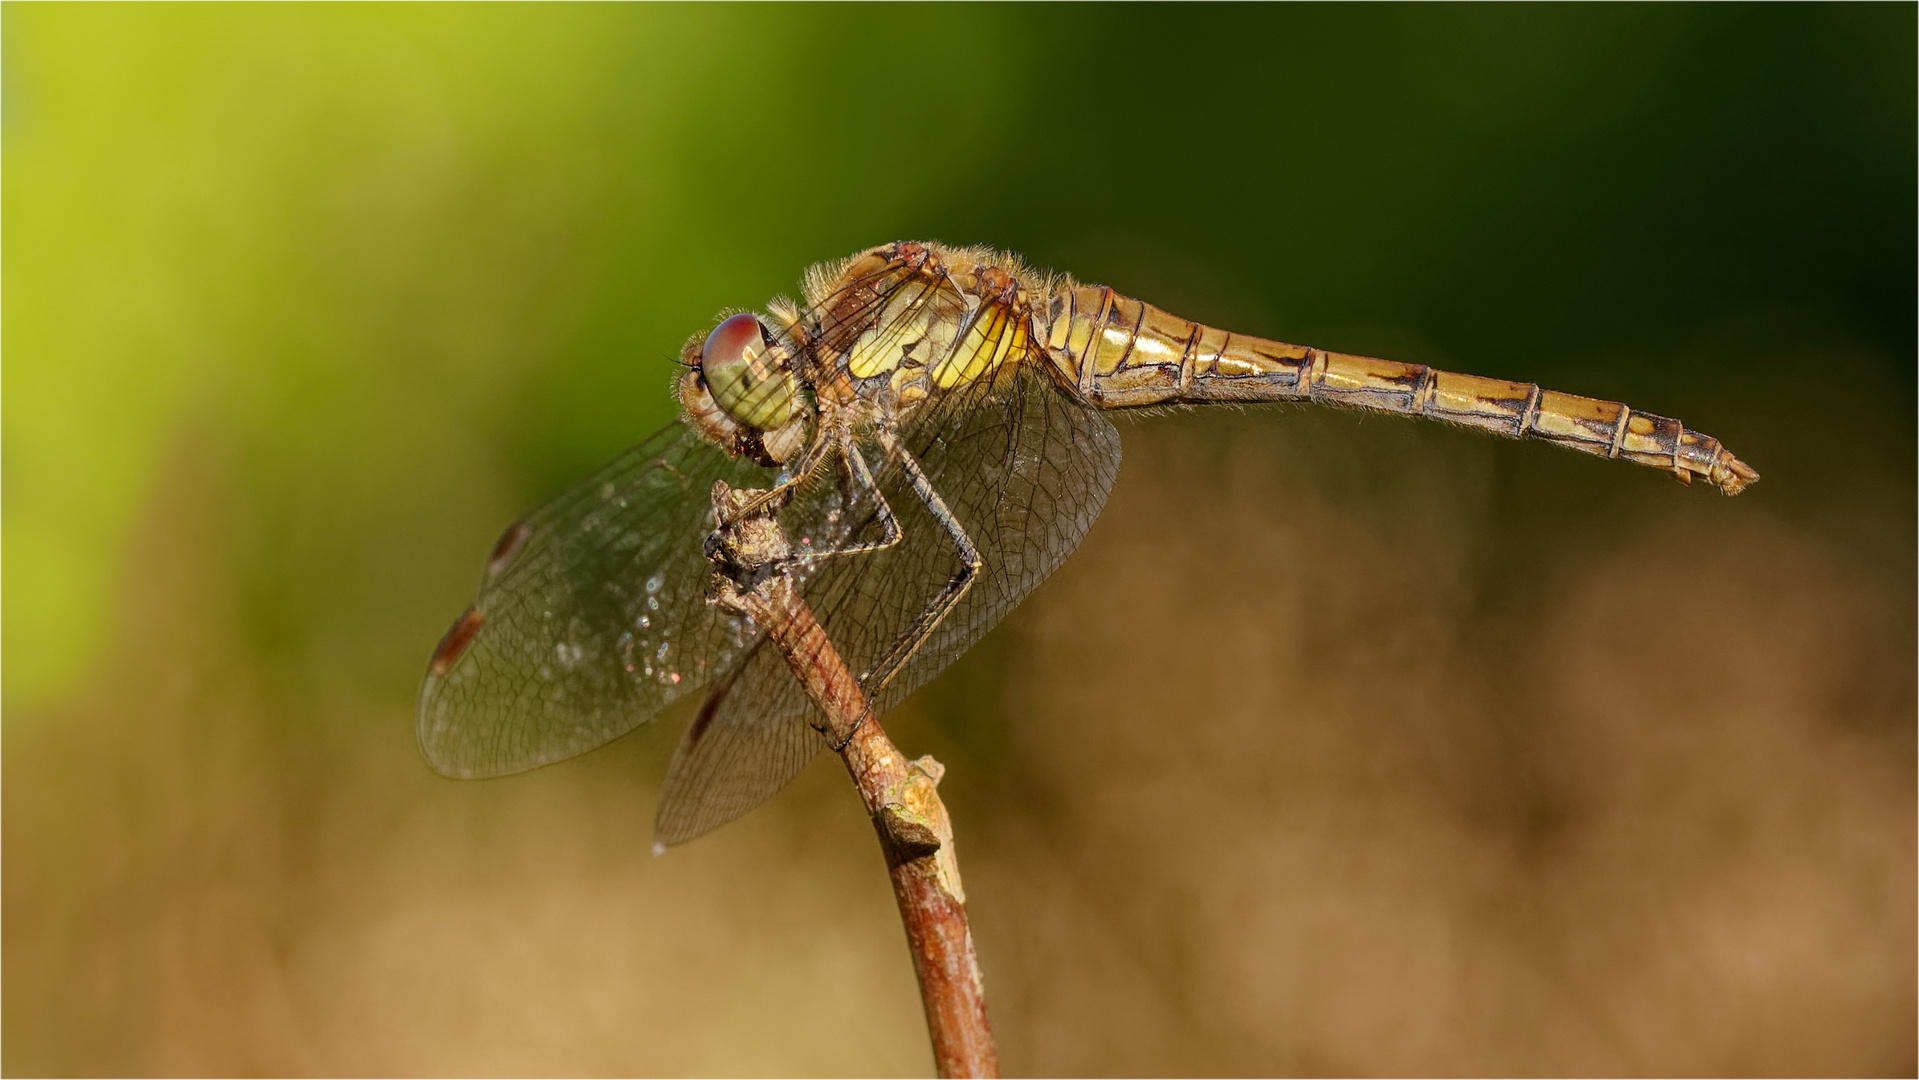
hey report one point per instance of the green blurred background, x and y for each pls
(1345, 745)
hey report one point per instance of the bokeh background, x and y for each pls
(1344, 745)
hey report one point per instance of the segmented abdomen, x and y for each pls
(1124, 353)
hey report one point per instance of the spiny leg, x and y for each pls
(875, 680)
(929, 619)
(862, 478)
(776, 496)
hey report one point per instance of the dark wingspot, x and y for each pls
(700, 723)
(458, 637)
(507, 546)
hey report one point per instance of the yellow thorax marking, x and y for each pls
(998, 331)
(918, 318)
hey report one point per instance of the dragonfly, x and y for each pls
(929, 426)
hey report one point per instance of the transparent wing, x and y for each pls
(592, 616)
(1024, 466)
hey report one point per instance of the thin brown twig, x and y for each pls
(901, 796)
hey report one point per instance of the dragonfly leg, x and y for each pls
(862, 478)
(802, 471)
(875, 680)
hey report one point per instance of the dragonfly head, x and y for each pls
(740, 393)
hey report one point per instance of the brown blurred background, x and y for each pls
(1344, 745)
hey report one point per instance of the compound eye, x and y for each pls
(747, 377)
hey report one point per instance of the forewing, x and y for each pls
(1025, 468)
(592, 616)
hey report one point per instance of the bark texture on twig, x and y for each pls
(901, 796)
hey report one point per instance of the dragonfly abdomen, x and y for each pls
(1124, 353)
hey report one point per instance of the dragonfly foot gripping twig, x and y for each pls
(901, 796)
